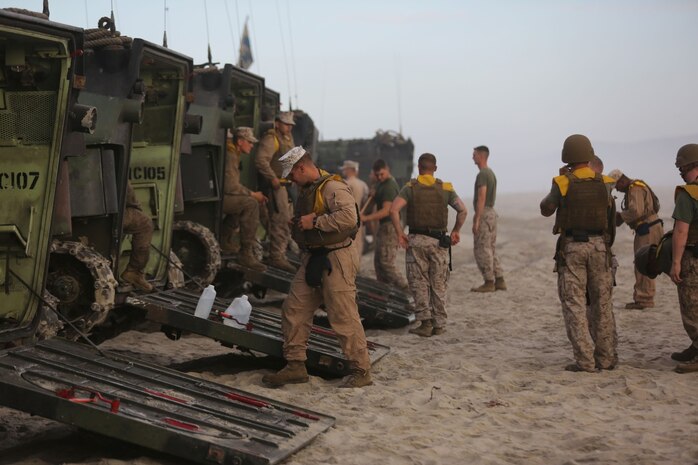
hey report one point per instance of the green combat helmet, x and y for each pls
(686, 155)
(654, 259)
(577, 149)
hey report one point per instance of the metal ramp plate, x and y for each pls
(152, 406)
(377, 306)
(263, 334)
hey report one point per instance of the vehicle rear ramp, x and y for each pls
(379, 305)
(175, 309)
(151, 406)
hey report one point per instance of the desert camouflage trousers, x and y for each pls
(688, 295)
(427, 274)
(140, 226)
(644, 285)
(358, 246)
(587, 265)
(338, 293)
(242, 210)
(278, 232)
(384, 258)
(484, 246)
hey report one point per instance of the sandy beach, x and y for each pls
(491, 390)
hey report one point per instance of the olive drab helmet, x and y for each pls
(654, 259)
(577, 149)
(686, 155)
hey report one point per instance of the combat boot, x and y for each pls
(438, 330)
(638, 305)
(282, 264)
(499, 284)
(293, 373)
(358, 377)
(426, 329)
(247, 259)
(228, 245)
(686, 355)
(488, 286)
(136, 279)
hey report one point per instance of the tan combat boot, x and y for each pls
(293, 373)
(247, 259)
(282, 264)
(136, 279)
(499, 284)
(357, 378)
(426, 329)
(229, 245)
(438, 330)
(488, 286)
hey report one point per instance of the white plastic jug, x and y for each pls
(239, 309)
(203, 307)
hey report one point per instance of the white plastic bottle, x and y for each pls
(239, 309)
(203, 307)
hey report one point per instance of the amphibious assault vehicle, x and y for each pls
(65, 157)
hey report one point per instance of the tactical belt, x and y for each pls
(436, 234)
(582, 232)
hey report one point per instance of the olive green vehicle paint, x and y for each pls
(36, 129)
(58, 183)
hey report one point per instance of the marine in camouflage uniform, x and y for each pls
(326, 220)
(427, 260)
(684, 265)
(276, 142)
(581, 200)
(386, 242)
(639, 210)
(140, 226)
(485, 225)
(240, 204)
(359, 189)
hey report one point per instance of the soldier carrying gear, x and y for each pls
(276, 142)
(581, 198)
(327, 217)
(427, 199)
(639, 210)
(240, 203)
(684, 264)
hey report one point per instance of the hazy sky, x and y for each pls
(518, 76)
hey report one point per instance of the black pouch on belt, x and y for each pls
(643, 229)
(445, 241)
(317, 263)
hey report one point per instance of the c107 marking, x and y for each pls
(21, 180)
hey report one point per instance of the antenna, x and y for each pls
(283, 48)
(230, 26)
(164, 33)
(293, 55)
(208, 37)
(46, 11)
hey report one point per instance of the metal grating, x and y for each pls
(30, 116)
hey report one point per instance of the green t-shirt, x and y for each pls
(486, 178)
(386, 192)
(685, 208)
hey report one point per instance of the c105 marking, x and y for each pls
(22, 180)
(150, 173)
